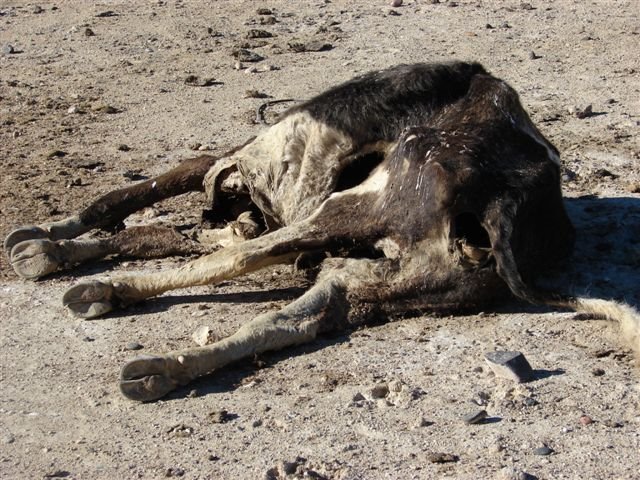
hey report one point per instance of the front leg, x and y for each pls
(324, 307)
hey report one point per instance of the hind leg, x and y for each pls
(325, 307)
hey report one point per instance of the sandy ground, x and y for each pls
(76, 84)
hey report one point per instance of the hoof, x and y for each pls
(33, 259)
(89, 299)
(22, 234)
(146, 378)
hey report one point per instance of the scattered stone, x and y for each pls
(108, 13)
(38, 9)
(530, 402)
(104, 108)
(195, 81)
(612, 424)
(526, 6)
(257, 33)
(180, 431)
(194, 145)
(604, 173)
(393, 13)
(440, 457)
(475, 417)
(174, 472)
(73, 109)
(379, 391)
(543, 451)
(586, 112)
(56, 154)
(58, 474)
(510, 365)
(8, 49)
(310, 46)
(123, 147)
(264, 11)
(193, 393)
(255, 94)
(89, 33)
(244, 55)
(221, 416)
(7, 439)
(513, 473)
(423, 422)
(533, 55)
(597, 372)
(358, 397)
(585, 420)
(395, 3)
(134, 175)
(395, 386)
(204, 335)
(268, 20)
(256, 423)
(133, 346)
(488, 26)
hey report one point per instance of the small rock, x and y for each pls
(264, 11)
(244, 55)
(586, 112)
(180, 431)
(585, 420)
(604, 173)
(104, 108)
(194, 145)
(526, 6)
(7, 439)
(358, 397)
(255, 94)
(510, 365)
(395, 386)
(513, 473)
(256, 423)
(72, 109)
(174, 472)
(221, 416)
(440, 457)
(123, 147)
(395, 3)
(423, 422)
(256, 33)
(533, 55)
(268, 20)
(107, 13)
(133, 346)
(89, 33)
(56, 154)
(597, 372)
(612, 424)
(310, 46)
(393, 13)
(58, 474)
(475, 417)
(8, 49)
(379, 391)
(543, 451)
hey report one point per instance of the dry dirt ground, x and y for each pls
(79, 80)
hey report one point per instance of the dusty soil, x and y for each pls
(76, 84)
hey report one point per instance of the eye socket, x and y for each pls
(467, 226)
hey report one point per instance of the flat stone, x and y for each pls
(543, 451)
(475, 417)
(510, 365)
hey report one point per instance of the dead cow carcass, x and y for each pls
(428, 184)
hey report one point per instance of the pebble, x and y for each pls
(543, 451)
(264, 11)
(585, 112)
(440, 457)
(133, 346)
(38, 9)
(510, 365)
(244, 55)
(7, 439)
(379, 391)
(73, 109)
(585, 420)
(89, 33)
(123, 147)
(220, 416)
(533, 55)
(358, 397)
(180, 431)
(474, 418)
(8, 49)
(513, 473)
(612, 424)
(174, 472)
(395, 3)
